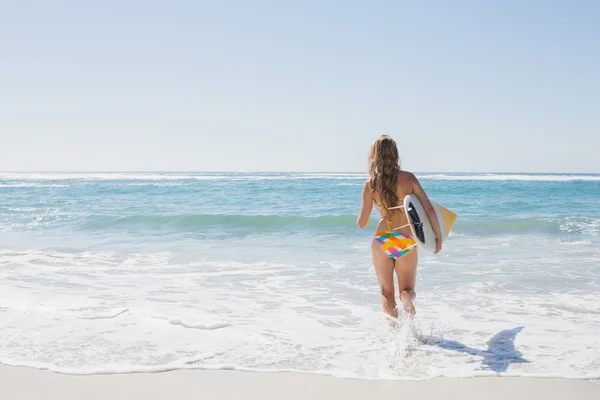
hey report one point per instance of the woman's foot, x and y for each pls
(407, 298)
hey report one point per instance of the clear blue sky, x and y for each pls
(468, 86)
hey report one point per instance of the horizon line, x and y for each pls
(275, 172)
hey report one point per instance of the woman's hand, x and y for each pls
(430, 211)
(438, 246)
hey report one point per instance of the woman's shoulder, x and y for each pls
(367, 187)
(406, 183)
(406, 176)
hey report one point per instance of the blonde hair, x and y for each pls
(383, 169)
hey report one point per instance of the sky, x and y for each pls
(463, 86)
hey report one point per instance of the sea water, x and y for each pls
(123, 272)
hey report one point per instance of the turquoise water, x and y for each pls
(116, 272)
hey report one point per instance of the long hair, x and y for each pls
(383, 170)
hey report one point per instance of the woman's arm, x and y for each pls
(422, 196)
(366, 207)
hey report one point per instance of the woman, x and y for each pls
(393, 249)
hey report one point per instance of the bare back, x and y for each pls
(404, 186)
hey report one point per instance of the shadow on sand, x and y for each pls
(499, 354)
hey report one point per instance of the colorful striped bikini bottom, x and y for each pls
(395, 244)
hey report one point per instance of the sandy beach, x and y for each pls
(30, 384)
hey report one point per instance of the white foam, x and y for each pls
(113, 176)
(153, 176)
(109, 369)
(587, 226)
(198, 325)
(509, 177)
(31, 185)
(574, 242)
(336, 265)
(152, 183)
(455, 234)
(144, 176)
(315, 310)
(106, 315)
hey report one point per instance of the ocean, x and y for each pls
(139, 272)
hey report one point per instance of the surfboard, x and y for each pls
(421, 226)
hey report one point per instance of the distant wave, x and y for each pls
(155, 176)
(15, 179)
(258, 223)
(30, 185)
(215, 220)
(568, 225)
(510, 177)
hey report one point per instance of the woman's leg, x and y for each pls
(406, 269)
(384, 268)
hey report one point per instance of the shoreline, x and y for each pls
(29, 384)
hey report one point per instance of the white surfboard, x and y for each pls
(421, 226)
